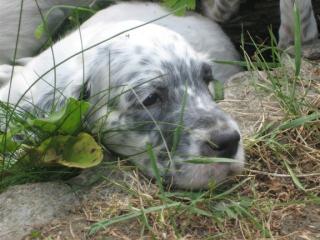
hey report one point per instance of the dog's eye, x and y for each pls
(151, 99)
(207, 73)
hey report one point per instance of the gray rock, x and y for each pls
(25, 207)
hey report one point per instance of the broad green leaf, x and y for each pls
(43, 125)
(81, 151)
(66, 121)
(40, 29)
(7, 144)
(180, 6)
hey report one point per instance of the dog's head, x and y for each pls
(158, 94)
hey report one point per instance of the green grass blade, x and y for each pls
(132, 215)
(230, 190)
(299, 121)
(294, 177)
(154, 166)
(203, 160)
(297, 39)
(179, 128)
(264, 231)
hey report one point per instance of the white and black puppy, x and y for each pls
(144, 81)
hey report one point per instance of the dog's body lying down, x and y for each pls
(143, 84)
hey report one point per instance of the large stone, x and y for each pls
(25, 207)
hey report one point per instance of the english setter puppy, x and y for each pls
(144, 81)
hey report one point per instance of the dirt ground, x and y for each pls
(298, 221)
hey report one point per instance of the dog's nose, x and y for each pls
(222, 145)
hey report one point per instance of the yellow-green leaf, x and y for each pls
(81, 151)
